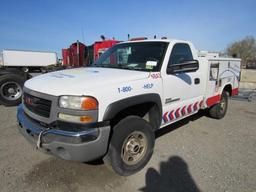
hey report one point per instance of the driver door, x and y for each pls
(183, 92)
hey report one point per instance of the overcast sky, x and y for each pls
(53, 25)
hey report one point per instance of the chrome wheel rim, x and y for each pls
(11, 90)
(134, 148)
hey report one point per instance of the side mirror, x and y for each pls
(186, 66)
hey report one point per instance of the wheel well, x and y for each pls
(149, 111)
(14, 71)
(228, 88)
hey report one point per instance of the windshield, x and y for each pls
(141, 56)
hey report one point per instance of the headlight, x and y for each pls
(77, 102)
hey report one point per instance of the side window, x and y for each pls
(180, 52)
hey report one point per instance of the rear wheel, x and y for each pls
(131, 146)
(218, 111)
(11, 89)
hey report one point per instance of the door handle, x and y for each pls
(197, 80)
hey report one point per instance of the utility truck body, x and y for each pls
(112, 108)
(16, 67)
(20, 58)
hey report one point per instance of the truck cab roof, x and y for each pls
(158, 40)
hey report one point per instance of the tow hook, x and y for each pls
(39, 140)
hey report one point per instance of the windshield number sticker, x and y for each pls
(148, 86)
(151, 63)
(124, 89)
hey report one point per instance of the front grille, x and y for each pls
(37, 105)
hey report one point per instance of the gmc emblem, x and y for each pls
(29, 101)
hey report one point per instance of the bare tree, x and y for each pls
(244, 49)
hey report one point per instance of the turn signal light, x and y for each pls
(89, 103)
(86, 119)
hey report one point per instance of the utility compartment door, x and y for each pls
(183, 92)
(222, 71)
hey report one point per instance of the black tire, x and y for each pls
(13, 83)
(218, 111)
(124, 132)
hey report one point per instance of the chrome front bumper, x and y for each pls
(81, 146)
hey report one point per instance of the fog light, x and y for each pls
(86, 119)
(74, 118)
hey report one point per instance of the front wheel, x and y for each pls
(131, 146)
(11, 89)
(218, 111)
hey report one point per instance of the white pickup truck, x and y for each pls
(112, 108)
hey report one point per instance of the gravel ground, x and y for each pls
(200, 154)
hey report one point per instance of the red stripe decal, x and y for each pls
(213, 100)
(195, 106)
(177, 114)
(234, 92)
(165, 117)
(189, 108)
(183, 110)
(171, 117)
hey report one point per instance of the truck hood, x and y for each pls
(80, 80)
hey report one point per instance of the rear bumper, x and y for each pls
(81, 146)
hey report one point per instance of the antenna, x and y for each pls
(77, 52)
(82, 31)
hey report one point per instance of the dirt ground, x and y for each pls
(199, 154)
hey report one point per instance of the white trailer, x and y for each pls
(18, 58)
(16, 66)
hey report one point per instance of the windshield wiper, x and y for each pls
(117, 66)
(99, 65)
(139, 69)
(120, 66)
